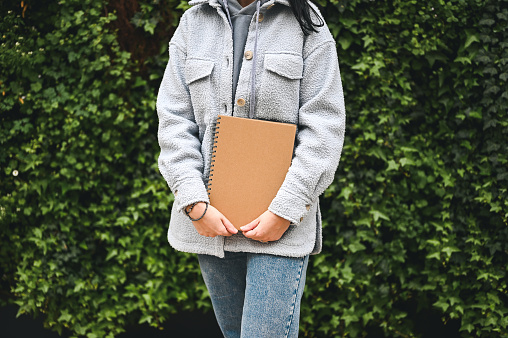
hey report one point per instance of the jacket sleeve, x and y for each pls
(180, 160)
(319, 141)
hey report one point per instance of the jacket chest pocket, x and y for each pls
(279, 93)
(198, 77)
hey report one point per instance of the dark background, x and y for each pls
(185, 324)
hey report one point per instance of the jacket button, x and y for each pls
(261, 17)
(176, 193)
(248, 55)
(240, 102)
(307, 207)
(301, 219)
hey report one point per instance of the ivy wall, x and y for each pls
(415, 223)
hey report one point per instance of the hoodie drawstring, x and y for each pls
(252, 101)
(227, 12)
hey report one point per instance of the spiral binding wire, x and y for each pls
(214, 150)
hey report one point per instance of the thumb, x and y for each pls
(250, 226)
(229, 226)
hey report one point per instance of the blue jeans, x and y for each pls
(255, 295)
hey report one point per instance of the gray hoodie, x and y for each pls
(240, 22)
(298, 81)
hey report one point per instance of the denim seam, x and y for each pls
(292, 308)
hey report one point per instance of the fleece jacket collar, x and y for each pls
(216, 3)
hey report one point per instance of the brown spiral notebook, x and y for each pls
(249, 163)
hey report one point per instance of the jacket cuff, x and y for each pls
(188, 192)
(290, 206)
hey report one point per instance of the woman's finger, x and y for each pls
(229, 226)
(250, 234)
(252, 225)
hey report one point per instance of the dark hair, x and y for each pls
(301, 9)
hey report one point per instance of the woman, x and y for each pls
(273, 60)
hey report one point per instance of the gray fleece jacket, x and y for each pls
(297, 81)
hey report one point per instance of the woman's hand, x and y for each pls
(266, 228)
(213, 223)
